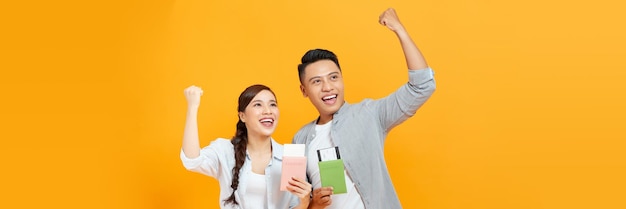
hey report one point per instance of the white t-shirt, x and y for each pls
(351, 199)
(255, 193)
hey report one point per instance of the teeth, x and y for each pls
(329, 97)
(267, 120)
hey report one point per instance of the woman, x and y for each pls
(248, 167)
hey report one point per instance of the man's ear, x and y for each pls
(241, 114)
(304, 94)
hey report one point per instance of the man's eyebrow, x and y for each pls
(314, 77)
(331, 73)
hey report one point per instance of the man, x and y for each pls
(359, 130)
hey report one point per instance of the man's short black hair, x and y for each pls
(315, 55)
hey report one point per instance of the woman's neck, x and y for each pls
(259, 144)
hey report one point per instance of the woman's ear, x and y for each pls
(242, 116)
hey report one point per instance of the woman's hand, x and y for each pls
(191, 144)
(193, 94)
(302, 189)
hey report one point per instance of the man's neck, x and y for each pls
(323, 120)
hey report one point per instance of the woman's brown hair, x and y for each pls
(240, 140)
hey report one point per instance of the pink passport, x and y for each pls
(293, 166)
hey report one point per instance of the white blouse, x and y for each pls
(255, 194)
(218, 159)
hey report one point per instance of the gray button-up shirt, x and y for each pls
(360, 131)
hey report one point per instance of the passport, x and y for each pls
(332, 174)
(332, 171)
(293, 165)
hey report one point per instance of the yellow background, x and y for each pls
(529, 111)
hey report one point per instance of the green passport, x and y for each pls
(332, 174)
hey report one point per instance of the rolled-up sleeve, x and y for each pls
(207, 162)
(404, 102)
(422, 80)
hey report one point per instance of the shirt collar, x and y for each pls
(277, 150)
(341, 109)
